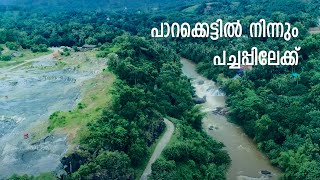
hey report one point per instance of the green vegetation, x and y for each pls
(138, 170)
(5, 58)
(39, 48)
(191, 154)
(279, 107)
(12, 46)
(24, 55)
(27, 55)
(46, 176)
(61, 64)
(66, 52)
(96, 98)
(279, 110)
(150, 85)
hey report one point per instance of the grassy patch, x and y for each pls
(105, 51)
(9, 63)
(26, 54)
(38, 131)
(60, 64)
(95, 98)
(114, 49)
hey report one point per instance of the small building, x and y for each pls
(88, 47)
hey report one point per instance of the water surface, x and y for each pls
(247, 160)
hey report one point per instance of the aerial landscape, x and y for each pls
(160, 90)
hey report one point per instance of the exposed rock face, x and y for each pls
(221, 111)
(199, 100)
(28, 95)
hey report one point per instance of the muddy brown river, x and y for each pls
(247, 161)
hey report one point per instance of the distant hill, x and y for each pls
(80, 5)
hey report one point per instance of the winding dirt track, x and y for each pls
(159, 148)
(41, 58)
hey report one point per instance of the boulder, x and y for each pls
(200, 82)
(221, 111)
(265, 172)
(199, 100)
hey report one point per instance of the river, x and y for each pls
(247, 161)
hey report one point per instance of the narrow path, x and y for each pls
(159, 148)
(41, 58)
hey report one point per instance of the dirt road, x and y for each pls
(42, 58)
(159, 148)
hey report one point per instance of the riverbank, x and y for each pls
(247, 160)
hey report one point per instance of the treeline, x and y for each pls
(150, 86)
(30, 28)
(278, 106)
(69, 29)
(80, 5)
(191, 155)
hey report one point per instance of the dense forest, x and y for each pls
(280, 111)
